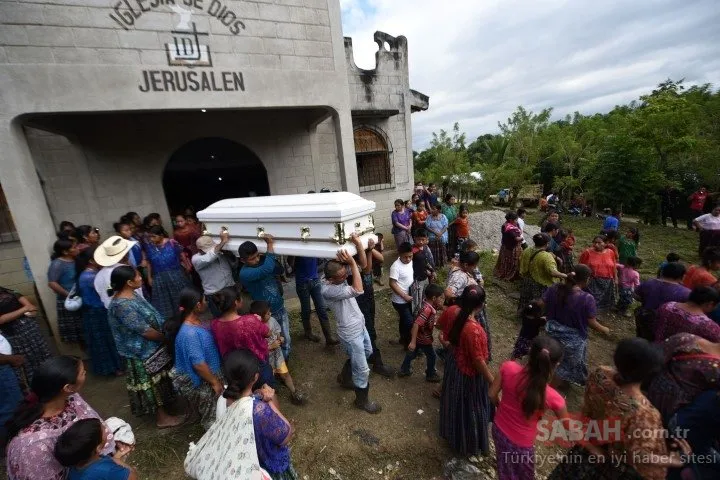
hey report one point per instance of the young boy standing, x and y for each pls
(401, 278)
(351, 330)
(423, 268)
(422, 334)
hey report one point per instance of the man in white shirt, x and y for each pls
(351, 331)
(401, 278)
(709, 227)
(111, 254)
(521, 224)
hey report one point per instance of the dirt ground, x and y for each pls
(333, 440)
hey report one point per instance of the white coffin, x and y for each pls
(309, 225)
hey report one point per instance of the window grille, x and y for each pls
(373, 160)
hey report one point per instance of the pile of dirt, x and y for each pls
(485, 229)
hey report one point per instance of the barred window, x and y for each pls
(372, 156)
(8, 232)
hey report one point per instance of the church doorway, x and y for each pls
(206, 170)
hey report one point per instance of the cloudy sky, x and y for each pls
(479, 59)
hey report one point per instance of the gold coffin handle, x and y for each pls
(304, 234)
(260, 232)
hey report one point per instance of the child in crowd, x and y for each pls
(79, 447)
(629, 280)
(421, 336)
(532, 322)
(419, 216)
(377, 264)
(525, 397)
(462, 226)
(401, 279)
(627, 247)
(671, 257)
(423, 268)
(276, 359)
(611, 239)
(566, 251)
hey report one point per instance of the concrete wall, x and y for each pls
(12, 273)
(382, 99)
(113, 164)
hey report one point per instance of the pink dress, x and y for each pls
(30, 453)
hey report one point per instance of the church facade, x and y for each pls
(110, 106)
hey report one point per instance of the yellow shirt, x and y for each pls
(541, 268)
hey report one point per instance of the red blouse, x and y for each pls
(472, 346)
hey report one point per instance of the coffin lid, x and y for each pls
(335, 206)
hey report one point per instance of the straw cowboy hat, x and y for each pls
(205, 243)
(112, 250)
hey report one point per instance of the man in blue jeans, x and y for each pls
(351, 330)
(260, 281)
(307, 286)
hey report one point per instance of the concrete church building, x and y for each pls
(110, 106)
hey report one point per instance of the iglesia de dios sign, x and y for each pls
(185, 47)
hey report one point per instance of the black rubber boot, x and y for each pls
(344, 378)
(330, 340)
(379, 367)
(362, 402)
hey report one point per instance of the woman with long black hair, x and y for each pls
(99, 339)
(465, 409)
(137, 329)
(52, 406)
(198, 370)
(61, 277)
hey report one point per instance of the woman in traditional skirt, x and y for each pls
(538, 270)
(137, 328)
(402, 224)
(614, 393)
(570, 310)
(19, 326)
(61, 279)
(437, 226)
(508, 263)
(525, 397)
(166, 274)
(198, 370)
(451, 212)
(465, 409)
(602, 262)
(465, 274)
(99, 339)
(9, 384)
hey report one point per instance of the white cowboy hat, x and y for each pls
(112, 250)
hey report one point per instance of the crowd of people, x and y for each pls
(166, 312)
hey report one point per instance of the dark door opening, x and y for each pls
(206, 170)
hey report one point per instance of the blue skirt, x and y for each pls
(99, 342)
(10, 395)
(166, 290)
(573, 366)
(465, 410)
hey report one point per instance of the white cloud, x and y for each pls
(479, 59)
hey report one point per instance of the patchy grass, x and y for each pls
(331, 434)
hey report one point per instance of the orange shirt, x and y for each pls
(602, 264)
(699, 277)
(419, 218)
(462, 227)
